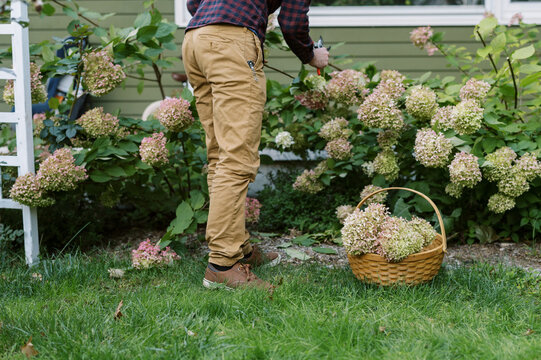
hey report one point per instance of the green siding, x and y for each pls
(389, 47)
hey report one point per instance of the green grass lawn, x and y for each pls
(317, 313)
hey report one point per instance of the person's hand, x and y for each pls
(321, 58)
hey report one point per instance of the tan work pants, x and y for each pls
(230, 96)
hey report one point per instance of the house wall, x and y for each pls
(389, 47)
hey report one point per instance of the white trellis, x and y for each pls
(22, 118)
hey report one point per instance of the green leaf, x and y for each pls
(116, 171)
(99, 176)
(324, 250)
(142, 20)
(486, 26)
(184, 218)
(303, 240)
(421, 205)
(297, 254)
(498, 43)
(284, 245)
(48, 9)
(523, 53)
(53, 103)
(197, 199)
(201, 216)
(457, 141)
(70, 12)
(146, 33)
(47, 54)
(165, 29)
(401, 209)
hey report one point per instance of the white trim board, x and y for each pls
(364, 16)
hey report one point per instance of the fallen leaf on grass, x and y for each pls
(324, 250)
(190, 333)
(297, 254)
(528, 332)
(37, 276)
(284, 245)
(383, 329)
(116, 273)
(118, 313)
(28, 349)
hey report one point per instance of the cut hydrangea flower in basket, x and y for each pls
(384, 249)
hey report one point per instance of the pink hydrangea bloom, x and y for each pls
(420, 37)
(59, 172)
(339, 149)
(421, 103)
(313, 99)
(347, 86)
(153, 151)
(378, 198)
(149, 255)
(252, 210)
(362, 229)
(308, 182)
(392, 83)
(175, 114)
(334, 129)
(27, 191)
(98, 123)
(100, 74)
(475, 90)
(380, 110)
(37, 89)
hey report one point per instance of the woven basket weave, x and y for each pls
(415, 269)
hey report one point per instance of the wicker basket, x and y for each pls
(415, 269)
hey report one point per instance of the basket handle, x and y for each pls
(440, 220)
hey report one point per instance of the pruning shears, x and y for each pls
(317, 45)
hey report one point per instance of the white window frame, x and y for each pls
(357, 16)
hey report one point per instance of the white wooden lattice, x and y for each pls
(22, 118)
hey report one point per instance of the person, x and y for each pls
(222, 53)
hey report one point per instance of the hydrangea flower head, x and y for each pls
(421, 103)
(27, 191)
(316, 82)
(59, 172)
(392, 83)
(398, 239)
(380, 110)
(464, 170)
(100, 74)
(339, 149)
(386, 164)
(362, 228)
(499, 163)
(153, 151)
(500, 203)
(420, 37)
(313, 99)
(529, 166)
(388, 138)
(475, 90)
(347, 86)
(378, 198)
(343, 211)
(38, 92)
(454, 190)
(252, 210)
(468, 117)
(308, 182)
(175, 114)
(149, 255)
(424, 228)
(431, 149)
(444, 118)
(98, 123)
(284, 139)
(514, 183)
(335, 129)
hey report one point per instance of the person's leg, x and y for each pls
(223, 54)
(203, 101)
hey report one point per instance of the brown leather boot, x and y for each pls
(259, 258)
(238, 276)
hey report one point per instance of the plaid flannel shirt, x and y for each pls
(253, 14)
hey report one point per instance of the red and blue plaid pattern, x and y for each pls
(253, 14)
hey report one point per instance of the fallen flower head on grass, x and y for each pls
(149, 255)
